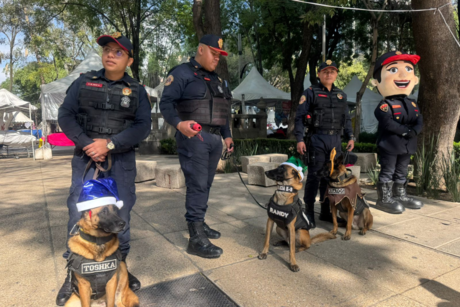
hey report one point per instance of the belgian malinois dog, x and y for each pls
(289, 182)
(96, 242)
(344, 195)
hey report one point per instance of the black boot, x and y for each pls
(399, 194)
(134, 283)
(384, 201)
(326, 215)
(199, 243)
(310, 213)
(210, 233)
(66, 290)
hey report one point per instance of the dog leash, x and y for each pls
(225, 156)
(99, 168)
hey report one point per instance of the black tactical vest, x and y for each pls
(283, 215)
(329, 110)
(103, 111)
(98, 273)
(361, 203)
(213, 109)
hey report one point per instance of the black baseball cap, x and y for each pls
(116, 37)
(214, 42)
(327, 64)
(394, 56)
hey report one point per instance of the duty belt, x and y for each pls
(211, 129)
(328, 132)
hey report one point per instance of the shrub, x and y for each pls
(168, 147)
(365, 137)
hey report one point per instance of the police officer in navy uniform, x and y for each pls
(194, 93)
(105, 113)
(327, 106)
(400, 121)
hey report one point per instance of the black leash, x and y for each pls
(225, 156)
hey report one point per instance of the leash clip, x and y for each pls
(73, 232)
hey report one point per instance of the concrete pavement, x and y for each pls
(411, 259)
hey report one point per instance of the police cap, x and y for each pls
(394, 56)
(214, 42)
(328, 64)
(116, 37)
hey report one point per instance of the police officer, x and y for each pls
(400, 121)
(194, 93)
(105, 113)
(327, 106)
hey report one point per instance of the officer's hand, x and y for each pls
(100, 158)
(350, 145)
(410, 134)
(97, 148)
(301, 148)
(229, 143)
(184, 128)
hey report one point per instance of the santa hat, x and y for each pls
(297, 164)
(97, 193)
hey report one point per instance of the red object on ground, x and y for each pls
(196, 127)
(59, 139)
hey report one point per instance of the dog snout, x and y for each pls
(121, 224)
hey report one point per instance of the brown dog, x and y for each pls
(97, 243)
(344, 195)
(286, 211)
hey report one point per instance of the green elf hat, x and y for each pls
(297, 164)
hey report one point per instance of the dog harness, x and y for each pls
(336, 192)
(284, 215)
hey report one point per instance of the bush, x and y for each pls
(365, 137)
(168, 147)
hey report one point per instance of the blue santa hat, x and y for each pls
(97, 193)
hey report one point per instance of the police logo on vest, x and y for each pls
(125, 101)
(220, 89)
(96, 267)
(279, 213)
(336, 191)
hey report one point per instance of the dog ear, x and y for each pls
(339, 160)
(295, 174)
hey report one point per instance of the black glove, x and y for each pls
(410, 134)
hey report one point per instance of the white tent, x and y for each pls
(255, 87)
(369, 102)
(17, 117)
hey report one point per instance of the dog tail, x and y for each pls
(321, 237)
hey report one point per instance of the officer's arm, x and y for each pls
(140, 129)
(171, 94)
(347, 126)
(387, 122)
(67, 116)
(419, 124)
(302, 110)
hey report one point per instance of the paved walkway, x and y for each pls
(411, 259)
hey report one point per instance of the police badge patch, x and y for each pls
(169, 80)
(126, 91)
(339, 96)
(116, 35)
(302, 99)
(125, 101)
(384, 107)
(220, 42)
(328, 62)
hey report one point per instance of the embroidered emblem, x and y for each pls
(125, 101)
(169, 80)
(339, 96)
(336, 191)
(95, 77)
(398, 52)
(328, 62)
(220, 79)
(220, 42)
(96, 267)
(384, 107)
(413, 103)
(116, 35)
(126, 91)
(397, 117)
(93, 84)
(302, 99)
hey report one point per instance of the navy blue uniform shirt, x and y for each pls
(186, 85)
(139, 130)
(307, 107)
(397, 115)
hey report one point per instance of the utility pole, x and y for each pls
(324, 39)
(240, 52)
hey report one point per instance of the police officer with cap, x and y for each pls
(194, 93)
(400, 122)
(326, 106)
(105, 113)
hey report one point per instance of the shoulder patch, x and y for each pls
(384, 107)
(169, 80)
(339, 96)
(302, 99)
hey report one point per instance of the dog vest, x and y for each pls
(98, 273)
(336, 193)
(283, 215)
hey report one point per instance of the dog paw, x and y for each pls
(333, 232)
(295, 268)
(346, 237)
(362, 232)
(262, 256)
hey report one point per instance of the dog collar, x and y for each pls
(95, 240)
(287, 188)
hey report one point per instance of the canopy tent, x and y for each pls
(53, 94)
(17, 117)
(254, 87)
(369, 102)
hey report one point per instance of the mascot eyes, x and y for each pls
(393, 70)
(409, 69)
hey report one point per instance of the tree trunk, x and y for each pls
(297, 85)
(439, 66)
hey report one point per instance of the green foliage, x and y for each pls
(373, 174)
(168, 147)
(425, 172)
(348, 70)
(365, 137)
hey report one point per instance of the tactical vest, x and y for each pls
(213, 109)
(283, 215)
(336, 193)
(98, 273)
(329, 110)
(103, 111)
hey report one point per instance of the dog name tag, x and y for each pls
(97, 267)
(336, 191)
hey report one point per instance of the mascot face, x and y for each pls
(397, 78)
